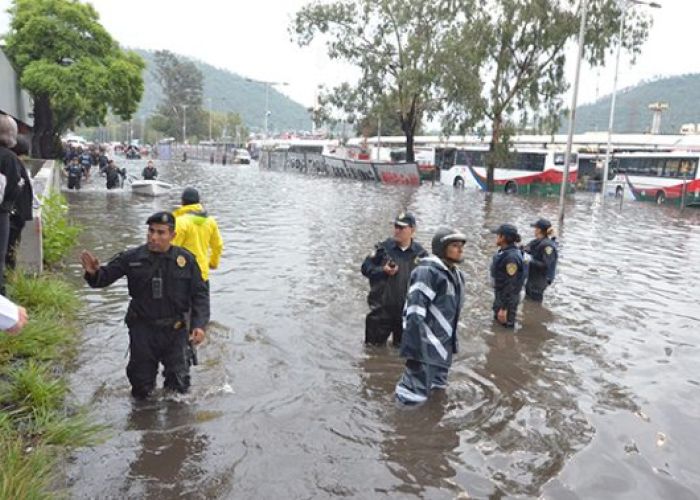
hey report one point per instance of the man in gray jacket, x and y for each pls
(434, 301)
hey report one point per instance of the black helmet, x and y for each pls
(190, 196)
(444, 237)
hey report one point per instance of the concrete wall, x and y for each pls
(13, 100)
(30, 255)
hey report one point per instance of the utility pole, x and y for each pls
(267, 98)
(184, 123)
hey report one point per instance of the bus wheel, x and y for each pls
(618, 192)
(459, 183)
(511, 188)
(660, 198)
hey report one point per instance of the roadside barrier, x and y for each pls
(320, 165)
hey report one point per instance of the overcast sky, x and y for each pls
(251, 38)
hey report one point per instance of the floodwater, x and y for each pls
(596, 394)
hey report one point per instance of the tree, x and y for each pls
(73, 69)
(523, 45)
(398, 47)
(229, 127)
(183, 85)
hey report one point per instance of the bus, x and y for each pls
(525, 170)
(656, 176)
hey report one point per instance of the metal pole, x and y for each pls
(611, 121)
(267, 105)
(572, 116)
(184, 123)
(379, 135)
(209, 119)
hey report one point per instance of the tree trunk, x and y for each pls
(409, 130)
(44, 137)
(492, 159)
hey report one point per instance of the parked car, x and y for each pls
(241, 156)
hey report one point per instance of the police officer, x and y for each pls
(508, 274)
(75, 172)
(150, 173)
(114, 175)
(167, 291)
(543, 260)
(85, 160)
(389, 269)
(434, 301)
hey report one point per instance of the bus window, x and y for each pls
(559, 158)
(529, 161)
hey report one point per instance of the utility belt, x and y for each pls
(174, 322)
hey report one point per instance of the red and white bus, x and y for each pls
(525, 170)
(658, 177)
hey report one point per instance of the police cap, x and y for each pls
(542, 224)
(507, 230)
(162, 218)
(405, 219)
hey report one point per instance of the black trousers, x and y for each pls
(534, 293)
(150, 345)
(73, 182)
(510, 315)
(379, 324)
(13, 241)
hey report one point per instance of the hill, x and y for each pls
(682, 93)
(231, 92)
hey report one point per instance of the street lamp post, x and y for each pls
(572, 113)
(210, 110)
(624, 5)
(184, 122)
(267, 98)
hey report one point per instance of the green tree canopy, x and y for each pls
(74, 70)
(522, 46)
(182, 84)
(398, 47)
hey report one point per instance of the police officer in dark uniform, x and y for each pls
(389, 270)
(167, 291)
(543, 260)
(75, 172)
(114, 175)
(86, 162)
(508, 275)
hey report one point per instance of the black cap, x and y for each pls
(542, 224)
(162, 218)
(405, 219)
(507, 230)
(190, 196)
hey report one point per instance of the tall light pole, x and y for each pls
(624, 5)
(184, 122)
(572, 114)
(267, 97)
(209, 99)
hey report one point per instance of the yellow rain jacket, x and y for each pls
(198, 232)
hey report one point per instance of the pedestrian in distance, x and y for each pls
(389, 268)
(431, 315)
(168, 310)
(508, 275)
(198, 232)
(114, 175)
(542, 264)
(75, 173)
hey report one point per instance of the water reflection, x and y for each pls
(170, 454)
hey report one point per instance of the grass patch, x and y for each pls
(59, 235)
(37, 428)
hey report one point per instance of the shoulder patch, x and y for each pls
(181, 261)
(548, 250)
(511, 268)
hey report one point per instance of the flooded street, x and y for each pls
(596, 395)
